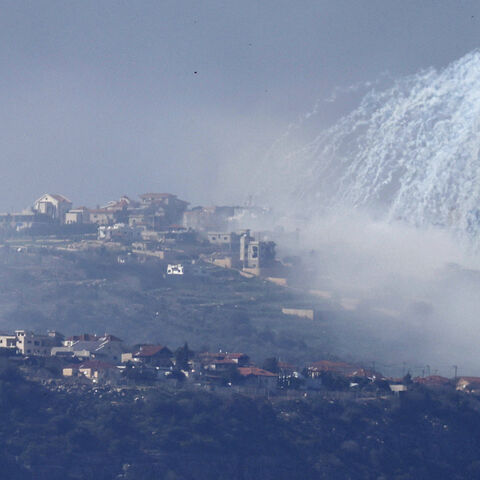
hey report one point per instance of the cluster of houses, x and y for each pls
(107, 359)
(159, 224)
(153, 211)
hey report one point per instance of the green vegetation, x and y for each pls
(192, 435)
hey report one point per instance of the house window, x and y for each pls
(29, 341)
(36, 343)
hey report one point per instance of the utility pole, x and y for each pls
(455, 367)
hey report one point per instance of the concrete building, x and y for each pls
(226, 241)
(101, 216)
(255, 255)
(120, 233)
(171, 207)
(53, 206)
(30, 343)
(78, 215)
(18, 221)
(107, 348)
(214, 219)
(94, 370)
(8, 341)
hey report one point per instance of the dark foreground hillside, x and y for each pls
(189, 435)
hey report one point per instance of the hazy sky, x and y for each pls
(101, 98)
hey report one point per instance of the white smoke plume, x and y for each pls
(389, 198)
(409, 152)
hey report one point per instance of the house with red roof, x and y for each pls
(468, 384)
(152, 355)
(221, 361)
(340, 368)
(434, 381)
(254, 377)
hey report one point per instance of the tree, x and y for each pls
(182, 356)
(271, 364)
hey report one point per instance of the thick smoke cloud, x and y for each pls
(388, 198)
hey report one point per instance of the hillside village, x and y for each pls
(159, 225)
(107, 360)
(161, 341)
(160, 228)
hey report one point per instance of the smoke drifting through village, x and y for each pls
(387, 200)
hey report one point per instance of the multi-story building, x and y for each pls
(255, 255)
(52, 206)
(8, 341)
(30, 343)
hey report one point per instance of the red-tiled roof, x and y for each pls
(60, 198)
(470, 379)
(254, 371)
(432, 380)
(149, 350)
(96, 365)
(225, 361)
(341, 368)
(235, 355)
(285, 366)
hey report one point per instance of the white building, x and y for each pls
(30, 343)
(107, 348)
(53, 205)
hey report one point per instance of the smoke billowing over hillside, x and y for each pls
(389, 198)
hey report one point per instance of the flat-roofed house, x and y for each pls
(8, 340)
(94, 370)
(30, 343)
(77, 215)
(101, 216)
